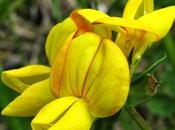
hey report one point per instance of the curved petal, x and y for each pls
(160, 21)
(132, 8)
(103, 31)
(91, 14)
(133, 40)
(83, 21)
(57, 36)
(132, 33)
(20, 79)
(121, 24)
(58, 67)
(30, 101)
(69, 80)
(148, 6)
(141, 7)
(64, 114)
(107, 84)
(92, 68)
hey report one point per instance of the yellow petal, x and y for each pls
(20, 79)
(148, 6)
(107, 83)
(63, 114)
(103, 31)
(69, 81)
(56, 76)
(120, 24)
(134, 31)
(30, 101)
(52, 111)
(83, 22)
(136, 8)
(160, 21)
(91, 14)
(57, 36)
(93, 67)
(134, 39)
(132, 8)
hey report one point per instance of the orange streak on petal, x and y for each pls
(83, 24)
(57, 71)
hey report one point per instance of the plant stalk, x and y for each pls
(138, 118)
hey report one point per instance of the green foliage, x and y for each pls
(142, 91)
(170, 47)
(127, 121)
(144, 85)
(139, 76)
(56, 11)
(83, 3)
(6, 6)
(162, 105)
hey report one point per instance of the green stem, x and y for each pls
(138, 118)
(169, 48)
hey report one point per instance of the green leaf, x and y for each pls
(6, 6)
(84, 3)
(56, 10)
(142, 90)
(116, 8)
(149, 70)
(162, 105)
(169, 48)
(127, 121)
(164, 2)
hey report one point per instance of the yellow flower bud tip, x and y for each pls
(20, 79)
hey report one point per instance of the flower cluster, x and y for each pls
(89, 75)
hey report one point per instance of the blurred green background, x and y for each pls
(24, 25)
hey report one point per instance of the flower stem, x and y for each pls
(169, 48)
(138, 118)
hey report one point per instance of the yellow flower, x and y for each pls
(89, 74)
(89, 77)
(139, 27)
